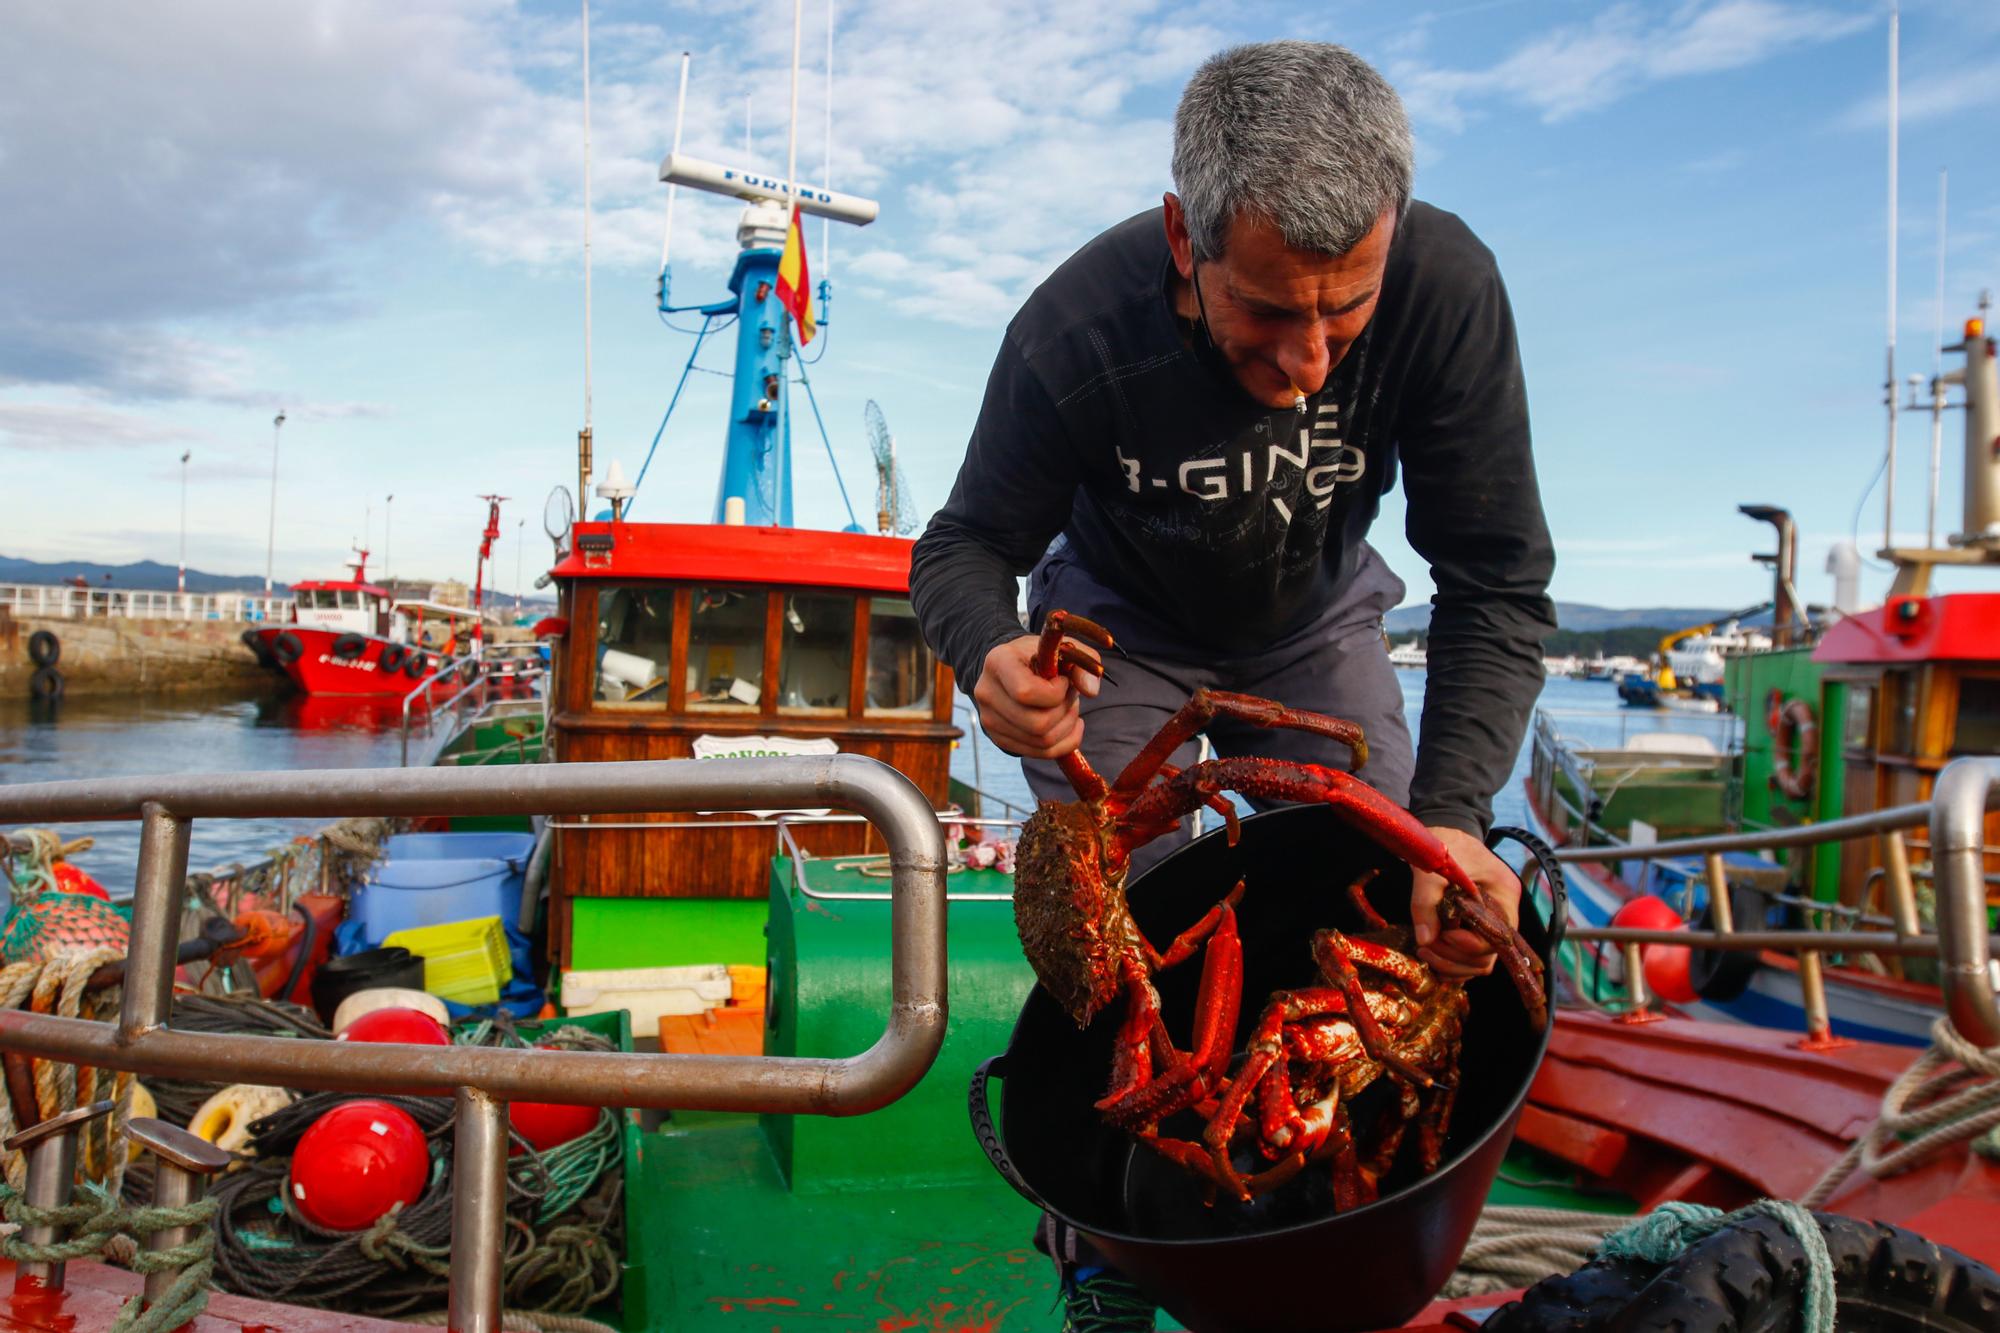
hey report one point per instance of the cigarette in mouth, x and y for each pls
(1298, 400)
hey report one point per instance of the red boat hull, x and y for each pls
(317, 669)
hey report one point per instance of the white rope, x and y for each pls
(1949, 1096)
(1517, 1247)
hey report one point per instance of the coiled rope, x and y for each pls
(1950, 1095)
(1519, 1246)
(101, 1227)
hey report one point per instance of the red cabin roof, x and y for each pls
(722, 553)
(1953, 627)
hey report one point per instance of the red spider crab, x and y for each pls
(1314, 1050)
(1078, 933)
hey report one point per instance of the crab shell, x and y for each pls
(1070, 909)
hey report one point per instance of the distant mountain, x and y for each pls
(143, 576)
(1580, 616)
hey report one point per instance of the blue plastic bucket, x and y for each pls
(459, 847)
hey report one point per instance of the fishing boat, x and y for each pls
(1852, 715)
(350, 637)
(742, 761)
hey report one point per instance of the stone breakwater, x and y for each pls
(104, 655)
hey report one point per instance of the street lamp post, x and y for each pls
(181, 583)
(520, 528)
(388, 570)
(271, 539)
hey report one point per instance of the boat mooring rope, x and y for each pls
(103, 1227)
(1927, 1109)
(1518, 1247)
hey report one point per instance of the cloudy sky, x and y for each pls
(368, 213)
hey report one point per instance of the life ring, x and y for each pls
(349, 645)
(393, 657)
(44, 648)
(419, 665)
(46, 683)
(287, 648)
(1794, 728)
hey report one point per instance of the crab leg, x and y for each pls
(1053, 655)
(1374, 814)
(1207, 705)
(1217, 1004)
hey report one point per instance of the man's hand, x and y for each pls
(1025, 714)
(1458, 953)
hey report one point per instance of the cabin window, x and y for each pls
(350, 600)
(1977, 730)
(1900, 697)
(816, 654)
(635, 636)
(901, 670)
(725, 652)
(1860, 706)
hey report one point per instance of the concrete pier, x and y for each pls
(125, 656)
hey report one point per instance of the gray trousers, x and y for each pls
(1337, 665)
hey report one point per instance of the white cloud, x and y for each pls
(1581, 67)
(70, 426)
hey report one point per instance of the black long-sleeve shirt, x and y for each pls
(1233, 522)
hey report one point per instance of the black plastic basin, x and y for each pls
(1287, 1261)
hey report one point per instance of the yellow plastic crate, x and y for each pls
(464, 961)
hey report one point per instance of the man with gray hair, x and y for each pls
(1188, 430)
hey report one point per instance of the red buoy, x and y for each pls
(411, 1027)
(1666, 965)
(357, 1162)
(71, 880)
(547, 1125)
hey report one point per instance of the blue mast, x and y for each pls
(756, 483)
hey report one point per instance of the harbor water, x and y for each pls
(110, 736)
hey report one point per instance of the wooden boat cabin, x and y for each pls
(713, 640)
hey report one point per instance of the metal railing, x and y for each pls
(447, 693)
(1955, 817)
(64, 603)
(486, 1078)
(802, 860)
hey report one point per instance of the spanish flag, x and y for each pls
(794, 283)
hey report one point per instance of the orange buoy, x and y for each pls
(69, 879)
(358, 1161)
(1666, 965)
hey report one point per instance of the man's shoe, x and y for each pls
(1099, 1300)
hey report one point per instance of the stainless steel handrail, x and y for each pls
(789, 845)
(141, 1042)
(1965, 789)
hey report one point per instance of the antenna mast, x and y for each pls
(1937, 379)
(680, 113)
(826, 169)
(792, 135)
(583, 436)
(1889, 383)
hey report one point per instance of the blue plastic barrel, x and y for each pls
(402, 894)
(459, 847)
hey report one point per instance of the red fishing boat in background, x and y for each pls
(352, 637)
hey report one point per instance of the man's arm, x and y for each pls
(1012, 496)
(1475, 514)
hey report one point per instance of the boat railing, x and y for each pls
(1955, 819)
(878, 862)
(57, 602)
(464, 696)
(1556, 754)
(484, 1079)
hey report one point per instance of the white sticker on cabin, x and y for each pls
(763, 747)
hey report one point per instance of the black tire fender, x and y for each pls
(254, 641)
(1721, 975)
(287, 648)
(393, 656)
(419, 665)
(46, 683)
(468, 671)
(44, 648)
(1751, 1277)
(349, 645)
